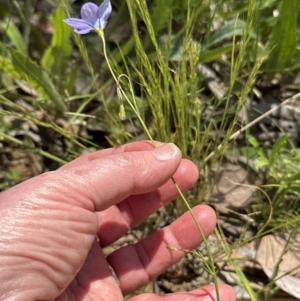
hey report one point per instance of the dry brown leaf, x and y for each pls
(288, 283)
(228, 190)
(280, 251)
(273, 248)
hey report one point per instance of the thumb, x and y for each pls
(109, 180)
(102, 182)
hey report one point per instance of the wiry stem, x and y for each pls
(100, 32)
(135, 110)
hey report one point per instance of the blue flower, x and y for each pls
(93, 18)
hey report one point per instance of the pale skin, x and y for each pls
(53, 228)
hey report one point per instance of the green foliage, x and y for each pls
(57, 55)
(262, 159)
(15, 36)
(232, 28)
(11, 178)
(282, 164)
(160, 14)
(22, 67)
(284, 37)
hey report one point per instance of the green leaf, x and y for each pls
(261, 158)
(293, 177)
(278, 148)
(38, 78)
(230, 29)
(211, 55)
(252, 140)
(56, 56)
(15, 36)
(21, 67)
(261, 162)
(284, 36)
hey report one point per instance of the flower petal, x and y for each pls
(80, 26)
(83, 31)
(89, 12)
(104, 12)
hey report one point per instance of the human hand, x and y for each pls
(49, 226)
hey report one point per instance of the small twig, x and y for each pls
(243, 129)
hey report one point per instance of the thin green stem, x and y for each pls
(136, 111)
(210, 255)
(101, 34)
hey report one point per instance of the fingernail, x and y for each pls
(166, 151)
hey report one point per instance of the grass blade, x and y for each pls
(15, 36)
(23, 68)
(56, 56)
(284, 36)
